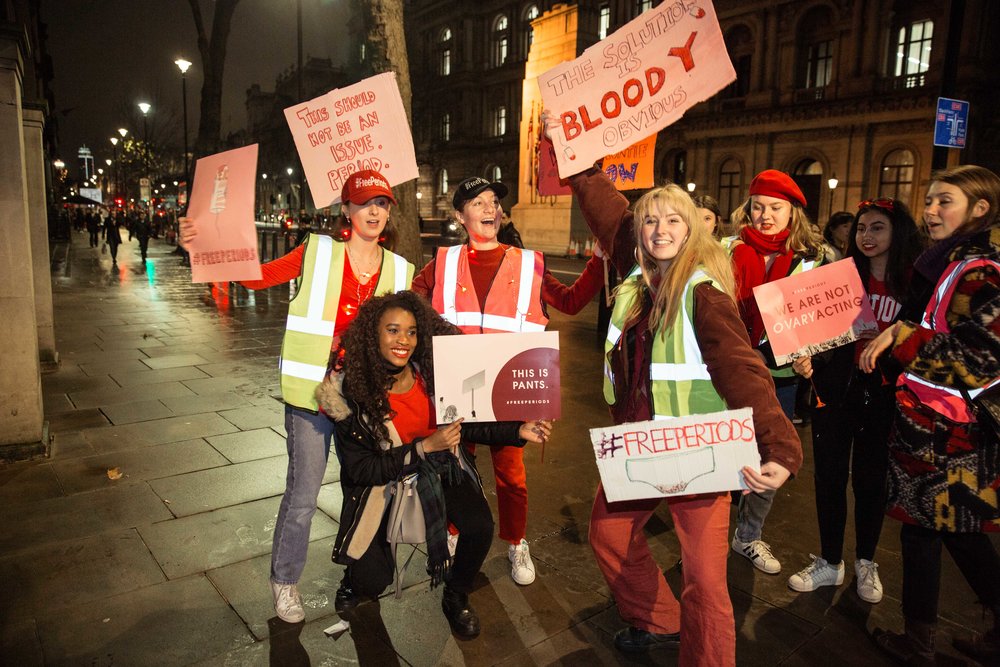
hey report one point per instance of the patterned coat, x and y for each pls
(943, 475)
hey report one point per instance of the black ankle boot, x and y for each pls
(914, 647)
(460, 614)
(346, 599)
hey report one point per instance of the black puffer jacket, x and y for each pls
(368, 466)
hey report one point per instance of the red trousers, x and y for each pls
(512, 491)
(704, 614)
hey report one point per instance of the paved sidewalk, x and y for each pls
(172, 385)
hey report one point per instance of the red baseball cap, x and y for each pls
(774, 183)
(364, 185)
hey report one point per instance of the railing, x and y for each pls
(893, 84)
(817, 94)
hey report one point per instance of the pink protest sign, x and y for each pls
(222, 199)
(630, 169)
(496, 377)
(809, 312)
(635, 82)
(676, 457)
(346, 130)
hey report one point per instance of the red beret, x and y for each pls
(774, 183)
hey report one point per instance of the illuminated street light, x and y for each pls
(122, 131)
(691, 186)
(832, 183)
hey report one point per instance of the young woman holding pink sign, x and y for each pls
(675, 346)
(335, 276)
(851, 422)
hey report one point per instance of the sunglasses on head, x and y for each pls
(885, 203)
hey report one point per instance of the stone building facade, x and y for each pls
(838, 93)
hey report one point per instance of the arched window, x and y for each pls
(913, 52)
(501, 42)
(494, 173)
(603, 20)
(739, 43)
(446, 127)
(444, 52)
(443, 182)
(816, 33)
(527, 33)
(896, 175)
(730, 186)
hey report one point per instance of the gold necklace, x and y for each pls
(364, 275)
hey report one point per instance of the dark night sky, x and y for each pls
(109, 54)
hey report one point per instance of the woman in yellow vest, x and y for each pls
(335, 275)
(676, 346)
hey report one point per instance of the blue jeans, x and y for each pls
(308, 443)
(754, 507)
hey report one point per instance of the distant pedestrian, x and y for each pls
(142, 232)
(93, 228)
(112, 236)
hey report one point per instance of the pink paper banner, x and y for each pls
(813, 311)
(635, 82)
(222, 200)
(346, 130)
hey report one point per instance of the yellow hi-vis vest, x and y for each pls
(679, 379)
(312, 315)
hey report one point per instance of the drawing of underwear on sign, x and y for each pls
(674, 457)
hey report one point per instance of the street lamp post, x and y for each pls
(144, 107)
(183, 66)
(114, 171)
(122, 177)
(832, 184)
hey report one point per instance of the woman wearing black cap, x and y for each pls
(478, 286)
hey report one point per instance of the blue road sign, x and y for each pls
(950, 123)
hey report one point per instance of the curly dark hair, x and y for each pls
(366, 376)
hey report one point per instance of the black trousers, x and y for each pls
(143, 246)
(466, 508)
(849, 441)
(974, 555)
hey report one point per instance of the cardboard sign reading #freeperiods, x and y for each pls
(348, 129)
(676, 457)
(635, 82)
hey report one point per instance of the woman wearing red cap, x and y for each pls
(775, 239)
(480, 287)
(335, 275)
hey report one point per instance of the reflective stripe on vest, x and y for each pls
(943, 399)
(312, 315)
(507, 309)
(679, 379)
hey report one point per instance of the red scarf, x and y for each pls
(749, 267)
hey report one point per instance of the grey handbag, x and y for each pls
(406, 522)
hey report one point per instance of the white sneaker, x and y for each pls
(818, 573)
(452, 544)
(869, 585)
(288, 602)
(759, 553)
(522, 570)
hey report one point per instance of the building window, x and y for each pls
(444, 52)
(499, 121)
(896, 175)
(494, 173)
(816, 33)
(913, 52)
(446, 127)
(739, 43)
(500, 41)
(642, 5)
(730, 186)
(819, 64)
(362, 52)
(603, 21)
(443, 182)
(527, 32)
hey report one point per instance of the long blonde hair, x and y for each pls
(803, 240)
(699, 250)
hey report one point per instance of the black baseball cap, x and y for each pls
(471, 187)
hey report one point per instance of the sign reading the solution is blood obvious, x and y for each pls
(676, 457)
(362, 126)
(496, 377)
(635, 82)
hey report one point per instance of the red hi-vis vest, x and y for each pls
(943, 399)
(514, 303)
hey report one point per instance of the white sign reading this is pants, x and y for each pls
(676, 457)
